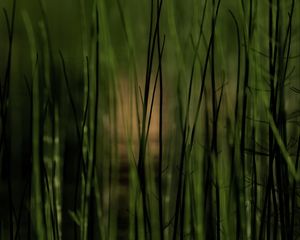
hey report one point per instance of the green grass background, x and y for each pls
(100, 139)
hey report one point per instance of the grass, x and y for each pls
(167, 120)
